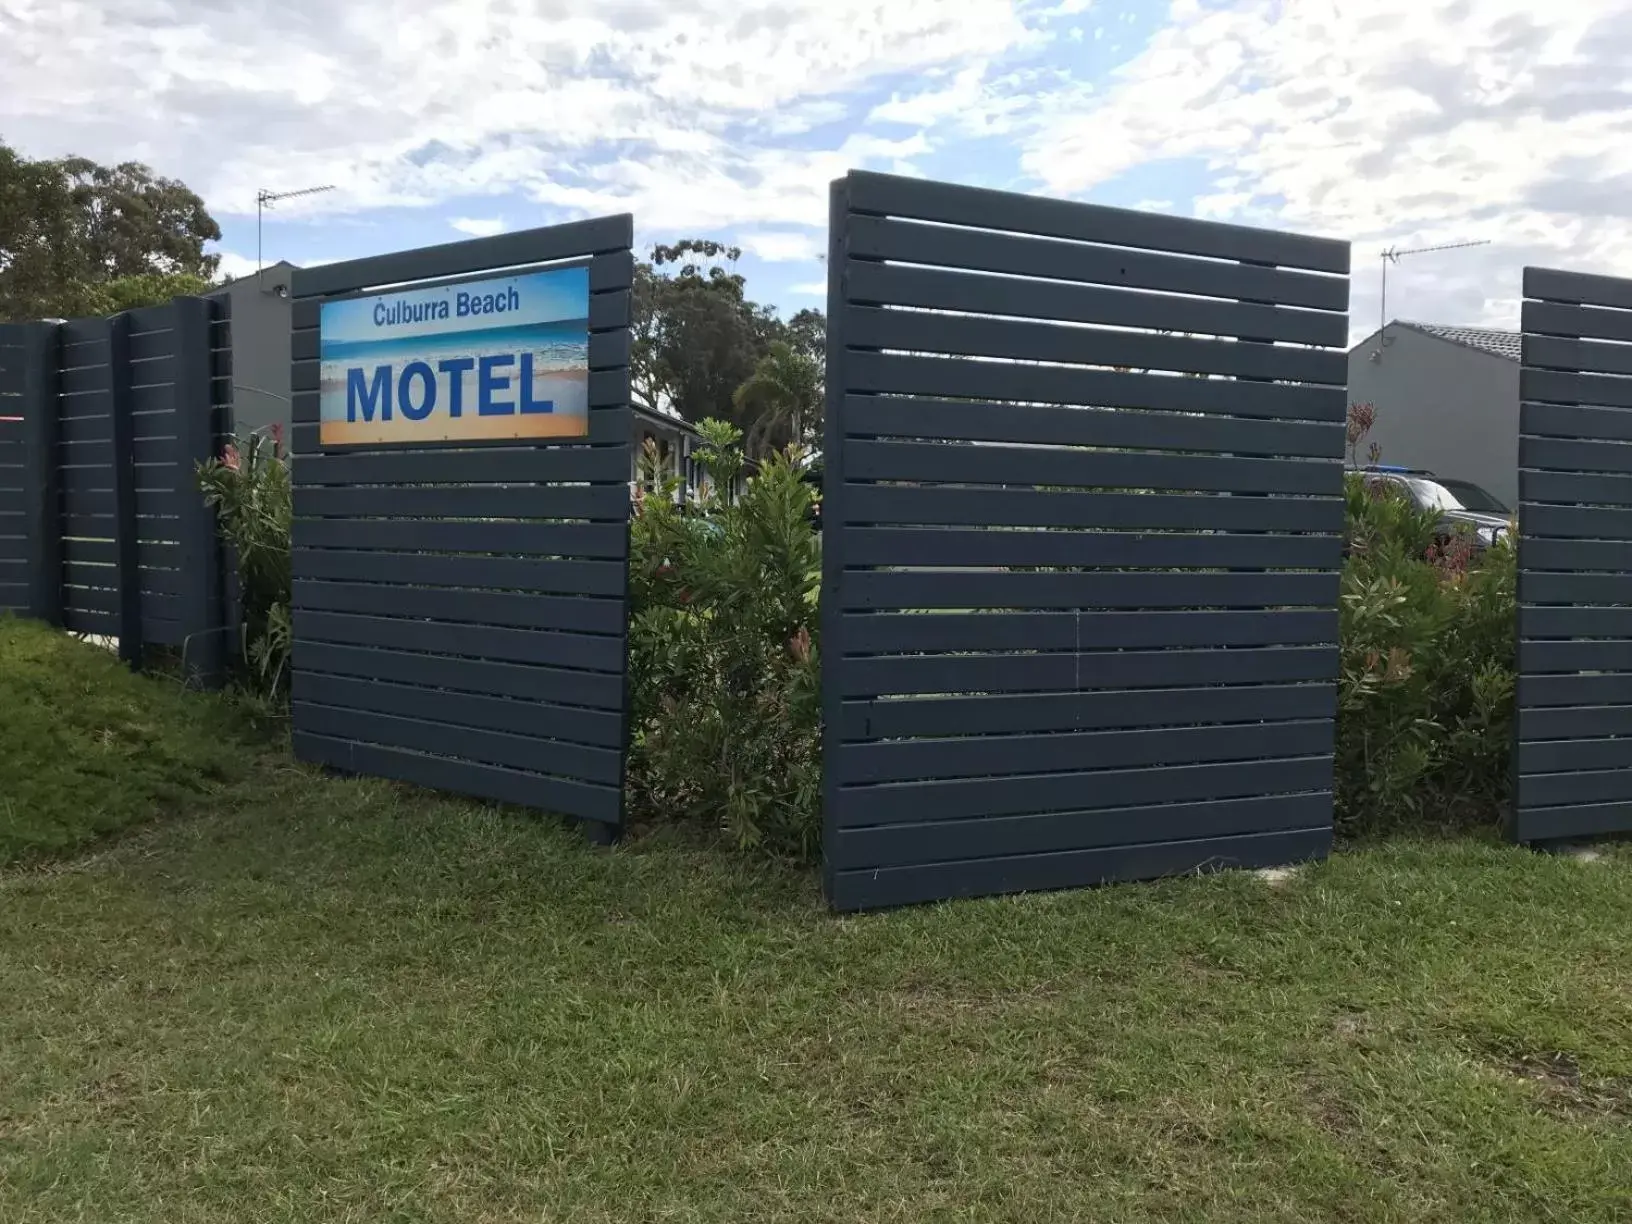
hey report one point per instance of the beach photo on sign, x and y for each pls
(487, 360)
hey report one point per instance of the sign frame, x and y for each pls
(437, 441)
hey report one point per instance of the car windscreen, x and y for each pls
(1455, 495)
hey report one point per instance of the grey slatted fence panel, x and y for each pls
(1080, 582)
(177, 404)
(1573, 759)
(461, 612)
(85, 457)
(225, 432)
(205, 624)
(117, 412)
(154, 367)
(16, 527)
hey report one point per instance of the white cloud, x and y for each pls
(730, 188)
(1394, 121)
(930, 106)
(234, 265)
(479, 227)
(1388, 122)
(816, 289)
(782, 246)
(681, 108)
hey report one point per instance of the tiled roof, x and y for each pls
(1486, 339)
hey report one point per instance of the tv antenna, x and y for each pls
(265, 199)
(1393, 255)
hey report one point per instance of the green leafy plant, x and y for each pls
(722, 460)
(250, 491)
(723, 654)
(1426, 686)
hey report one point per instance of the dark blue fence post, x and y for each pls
(125, 525)
(42, 514)
(202, 609)
(838, 219)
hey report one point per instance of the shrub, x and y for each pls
(1426, 688)
(724, 652)
(723, 655)
(249, 489)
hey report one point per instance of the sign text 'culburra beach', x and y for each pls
(486, 360)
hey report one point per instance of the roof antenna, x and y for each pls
(1392, 255)
(265, 199)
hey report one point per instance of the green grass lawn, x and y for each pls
(320, 1000)
(88, 748)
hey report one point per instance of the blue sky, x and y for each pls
(1387, 122)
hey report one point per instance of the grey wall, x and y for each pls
(260, 349)
(1442, 406)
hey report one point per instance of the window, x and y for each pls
(1436, 494)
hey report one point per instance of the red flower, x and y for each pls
(276, 430)
(229, 457)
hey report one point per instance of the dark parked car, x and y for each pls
(1460, 503)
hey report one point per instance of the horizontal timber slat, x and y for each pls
(600, 728)
(991, 715)
(1109, 669)
(520, 610)
(993, 756)
(886, 633)
(588, 801)
(972, 798)
(1053, 832)
(982, 293)
(559, 686)
(886, 416)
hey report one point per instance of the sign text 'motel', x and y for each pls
(368, 398)
(496, 359)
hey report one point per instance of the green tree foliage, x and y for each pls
(80, 238)
(781, 401)
(698, 338)
(807, 333)
(696, 334)
(131, 292)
